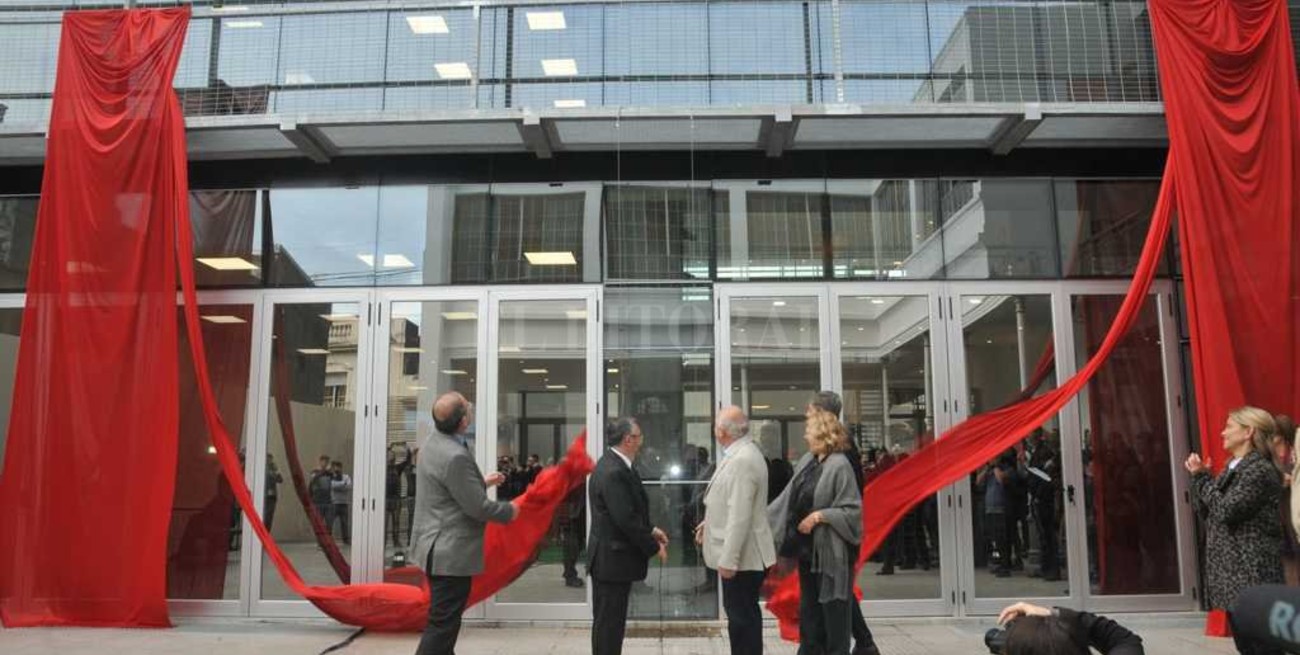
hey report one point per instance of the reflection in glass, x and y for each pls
(524, 233)
(883, 229)
(203, 545)
(771, 230)
(17, 233)
(311, 430)
(227, 227)
(657, 232)
(775, 369)
(1016, 503)
(326, 237)
(1103, 225)
(1128, 489)
(432, 349)
(541, 408)
(998, 228)
(888, 387)
(659, 370)
(11, 320)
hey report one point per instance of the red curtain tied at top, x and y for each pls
(91, 462)
(1228, 77)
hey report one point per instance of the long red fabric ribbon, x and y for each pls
(1227, 72)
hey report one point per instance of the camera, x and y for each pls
(996, 640)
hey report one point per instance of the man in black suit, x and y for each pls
(622, 539)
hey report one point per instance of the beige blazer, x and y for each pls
(736, 533)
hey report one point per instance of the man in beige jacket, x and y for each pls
(735, 534)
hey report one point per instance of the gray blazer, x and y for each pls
(835, 540)
(451, 509)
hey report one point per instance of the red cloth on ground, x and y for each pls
(1227, 72)
(89, 472)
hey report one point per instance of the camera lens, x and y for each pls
(996, 640)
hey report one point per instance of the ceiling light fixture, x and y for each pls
(242, 24)
(570, 104)
(546, 20)
(560, 67)
(563, 258)
(535, 371)
(428, 24)
(228, 263)
(455, 70)
(459, 316)
(221, 319)
(313, 351)
(397, 261)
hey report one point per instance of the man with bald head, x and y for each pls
(451, 511)
(735, 534)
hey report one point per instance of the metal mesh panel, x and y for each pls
(350, 56)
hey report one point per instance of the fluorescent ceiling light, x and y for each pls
(407, 349)
(339, 317)
(877, 301)
(212, 450)
(546, 20)
(557, 387)
(778, 303)
(417, 387)
(559, 67)
(244, 24)
(459, 316)
(761, 407)
(535, 371)
(430, 24)
(368, 259)
(508, 349)
(217, 318)
(397, 261)
(570, 104)
(575, 314)
(551, 258)
(313, 351)
(228, 263)
(975, 301)
(611, 370)
(453, 371)
(298, 77)
(456, 70)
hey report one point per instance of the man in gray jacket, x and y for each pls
(735, 534)
(451, 511)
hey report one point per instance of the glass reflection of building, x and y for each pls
(727, 180)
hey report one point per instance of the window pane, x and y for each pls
(885, 229)
(17, 232)
(1128, 489)
(659, 370)
(771, 229)
(326, 237)
(203, 549)
(11, 320)
(525, 233)
(1103, 225)
(998, 229)
(227, 230)
(657, 232)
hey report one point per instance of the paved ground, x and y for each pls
(1164, 635)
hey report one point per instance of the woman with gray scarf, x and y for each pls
(816, 521)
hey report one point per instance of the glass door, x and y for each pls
(310, 452)
(1013, 510)
(543, 369)
(889, 367)
(426, 343)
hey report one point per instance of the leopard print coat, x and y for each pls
(1243, 540)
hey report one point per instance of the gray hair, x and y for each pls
(737, 427)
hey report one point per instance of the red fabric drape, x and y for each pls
(1228, 75)
(88, 477)
(91, 456)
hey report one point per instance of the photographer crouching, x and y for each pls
(1033, 630)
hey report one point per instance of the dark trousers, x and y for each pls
(574, 537)
(609, 616)
(448, 595)
(744, 620)
(823, 627)
(862, 637)
(1050, 565)
(268, 511)
(343, 514)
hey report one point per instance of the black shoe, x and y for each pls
(907, 567)
(888, 570)
(576, 583)
(869, 649)
(1035, 574)
(1002, 573)
(1017, 565)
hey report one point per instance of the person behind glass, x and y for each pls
(272, 493)
(1034, 630)
(451, 512)
(999, 524)
(735, 536)
(1283, 446)
(863, 641)
(816, 522)
(1044, 495)
(622, 540)
(319, 486)
(1243, 540)
(341, 499)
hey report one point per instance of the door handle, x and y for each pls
(1069, 493)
